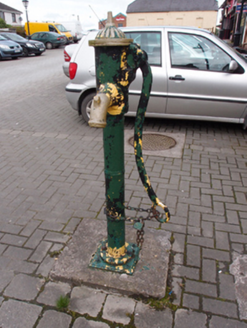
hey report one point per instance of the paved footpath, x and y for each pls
(51, 173)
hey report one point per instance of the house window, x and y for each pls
(13, 18)
(2, 15)
(120, 25)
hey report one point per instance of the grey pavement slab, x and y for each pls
(5, 278)
(84, 323)
(52, 292)
(218, 322)
(146, 317)
(24, 287)
(149, 278)
(239, 269)
(187, 319)
(85, 300)
(54, 319)
(118, 309)
(16, 314)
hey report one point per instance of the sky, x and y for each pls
(88, 12)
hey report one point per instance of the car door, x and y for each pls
(151, 42)
(199, 83)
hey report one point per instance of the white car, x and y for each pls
(68, 52)
(196, 75)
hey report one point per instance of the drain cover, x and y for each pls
(152, 141)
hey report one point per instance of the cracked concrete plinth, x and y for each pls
(239, 269)
(149, 278)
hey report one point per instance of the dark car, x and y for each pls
(9, 49)
(50, 39)
(28, 46)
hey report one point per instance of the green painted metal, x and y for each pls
(117, 60)
(113, 135)
(124, 264)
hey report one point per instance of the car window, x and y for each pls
(150, 42)
(52, 28)
(191, 51)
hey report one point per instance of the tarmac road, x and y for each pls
(51, 181)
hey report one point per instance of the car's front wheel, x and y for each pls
(49, 45)
(86, 106)
(25, 52)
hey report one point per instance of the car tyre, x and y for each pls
(25, 52)
(86, 105)
(49, 45)
(14, 58)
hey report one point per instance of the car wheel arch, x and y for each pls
(84, 95)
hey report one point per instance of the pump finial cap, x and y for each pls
(109, 19)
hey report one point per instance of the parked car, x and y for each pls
(28, 46)
(68, 52)
(34, 27)
(9, 49)
(195, 75)
(50, 39)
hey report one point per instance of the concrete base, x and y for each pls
(239, 269)
(149, 278)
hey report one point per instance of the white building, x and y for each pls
(10, 15)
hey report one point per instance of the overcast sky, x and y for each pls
(64, 10)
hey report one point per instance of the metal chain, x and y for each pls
(152, 214)
(140, 236)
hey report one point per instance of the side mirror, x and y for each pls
(233, 66)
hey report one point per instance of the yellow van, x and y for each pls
(48, 27)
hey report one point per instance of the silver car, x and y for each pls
(195, 75)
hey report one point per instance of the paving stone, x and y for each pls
(52, 292)
(16, 314)
(227, 290)
(146, 317)
(17, 253)
(5, 278)
(40, 251)
(209, 270)
(54, 319)
(193, 255)
(45, 267)
(216, 254)
(13, 240)
(200, 241)
(57, 237)
(222, 240)
(177, 286)
(187, 272)
(220, 307)
(118, 309)
(188, 319)
(191, 301)
(85, 300)
(22, 266)
(24, 287)
(82, 322)
(218, 322)
(200, 288)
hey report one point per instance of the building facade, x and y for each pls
(230, 15)
(200, 13)
(10, 15)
